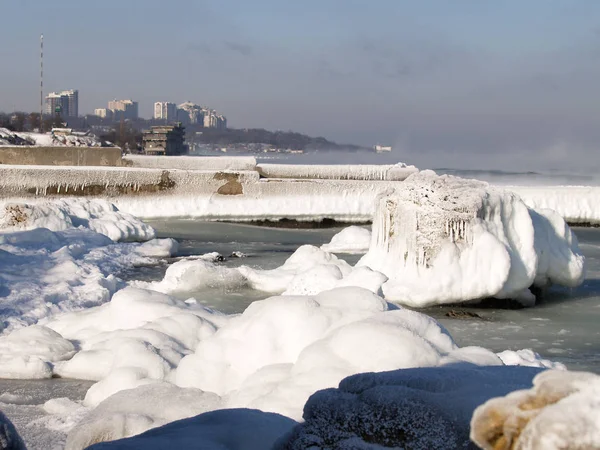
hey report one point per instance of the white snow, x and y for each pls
(559, 412)
(57, 215)
(352, 239)
(44, 273)
(443, 239)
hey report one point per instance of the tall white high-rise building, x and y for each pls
(65, 103)
(124, 109)
(165, 111)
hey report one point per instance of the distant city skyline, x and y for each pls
(464, 83)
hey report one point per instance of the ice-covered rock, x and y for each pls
(9, 438)
(131, 412)
(428, 408)
(443, 239)
(57, 215)
(230, 429)
(561, 411)
(352, 239)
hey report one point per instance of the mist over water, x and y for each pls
(487, 171)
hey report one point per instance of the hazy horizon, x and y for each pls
(465, 83)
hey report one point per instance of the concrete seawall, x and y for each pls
(61, 156)
(201, 194)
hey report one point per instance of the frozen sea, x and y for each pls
(563, 326)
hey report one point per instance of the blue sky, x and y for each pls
(480, 82)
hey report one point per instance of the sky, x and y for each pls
(508, 84)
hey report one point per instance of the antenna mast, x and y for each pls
(41, 81)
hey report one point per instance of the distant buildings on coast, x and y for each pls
(189, 113)
(64, 104)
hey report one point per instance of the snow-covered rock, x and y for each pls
(57, 215)
(352, 239)
(230, 429)
(561, 411)
(443, 239)
(133, 411)
(9, 438)
(428, 408)
(50, 139)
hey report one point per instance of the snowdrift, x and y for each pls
(443, 239)
(44, 273)
(352, 239)
(559, 412)
(58, 215)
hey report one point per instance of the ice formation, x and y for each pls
(575, 204)
(443, 239)
(396, 172)
(235, 163)
(57, 215)
(352, 239)
(44, 273)
(559, 412)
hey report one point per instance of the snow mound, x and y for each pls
(231, 429)
(137, 338)
(131, 412)
(9, 438)
(559, 412)
(309, 271)
(443, 239)
(44, 273)
(427, 408)
(57, 215)
(352, 239)
(281, 350)
(196, 274)
(528, 358)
